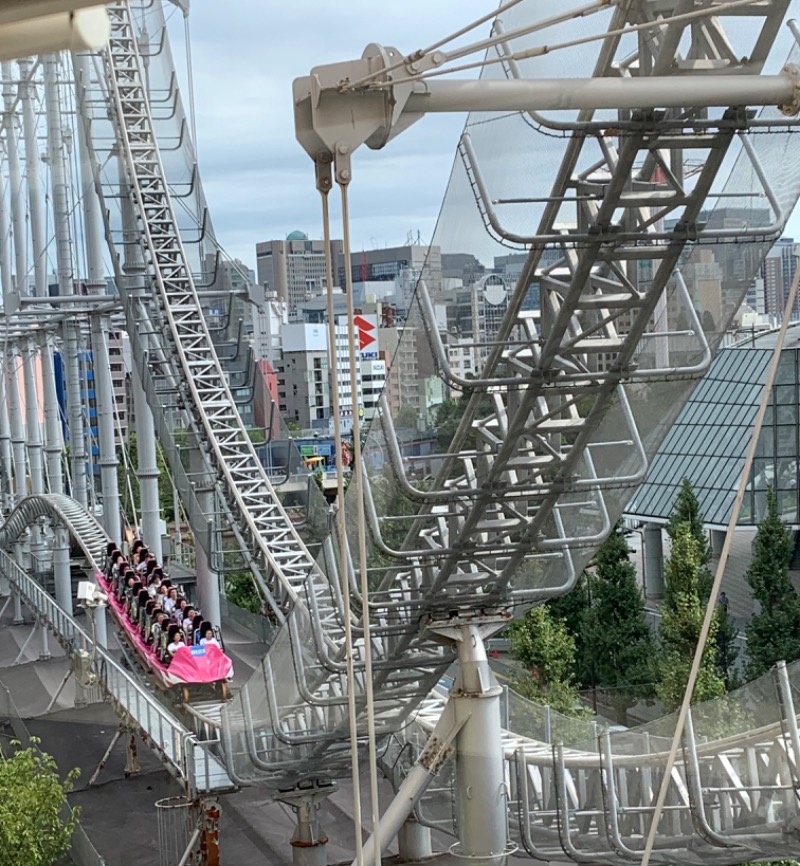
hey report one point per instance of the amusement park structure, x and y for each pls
(672, 150)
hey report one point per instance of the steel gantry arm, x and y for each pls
(545, 451)
(45, 26)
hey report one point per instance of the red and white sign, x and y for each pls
(366, 329)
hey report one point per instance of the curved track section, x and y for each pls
(82, 526)
(589, 795)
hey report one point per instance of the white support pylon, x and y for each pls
(71, 332)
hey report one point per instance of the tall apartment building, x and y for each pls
(294, 269)
(777, 272)
(302, 373)
(399, 347)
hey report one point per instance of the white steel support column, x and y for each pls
(7, 289)
(104, 402)
(18, 618)
(414, 842)
(61, 573)
(207, 579)
(27, 92)
(44, 654)
(61, 217)
(309, 842)
(16, 197)
(96, 284)
(34, 436)
(15, 423)
(32, 427)
(18, 225)
(53, 436)
(5, 451)
(147, 471)
(101, 626)
(481, 797)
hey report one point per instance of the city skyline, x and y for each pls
(258, 181)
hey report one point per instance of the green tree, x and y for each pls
(573, 608)
(686, 510)
(240, 589)
(773, 634)
(681, 624)
(446, 421)
(35, 827)
(619, 643)
(546, 651)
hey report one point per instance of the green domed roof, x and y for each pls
(297, 236)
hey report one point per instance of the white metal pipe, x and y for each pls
(5, 451)
(481, 802)
(207, 579)
(53, 436)
(394, 816)
(436, 752)
(6, 278)
(556, 94)
(61, 218)
(16, 197)
(96, 284)
(104, 402)
(7, 287)
(15, 424)
(19, 228)
(27, 90)
(32, 424)
(61, 572)
(147, 470)
(101, 626)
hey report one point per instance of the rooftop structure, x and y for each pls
(710, 437)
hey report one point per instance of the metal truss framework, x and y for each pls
(511, 494)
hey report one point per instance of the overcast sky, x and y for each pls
(258, 181)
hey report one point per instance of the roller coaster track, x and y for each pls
(193, 762)
(560, 433)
